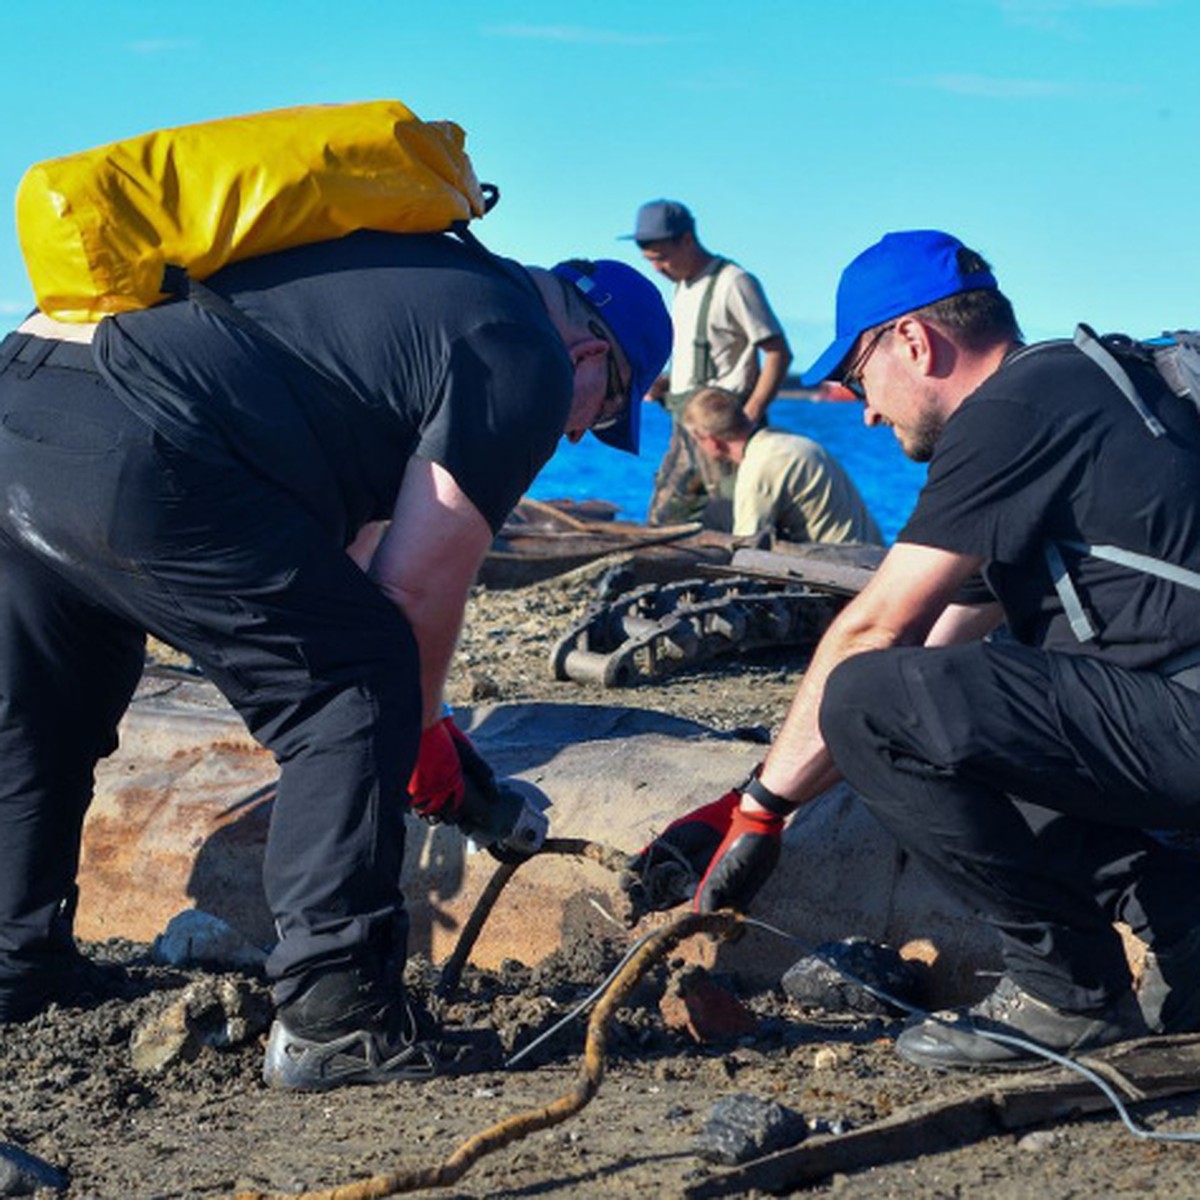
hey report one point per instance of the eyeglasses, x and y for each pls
(616, 391)
(852, 377)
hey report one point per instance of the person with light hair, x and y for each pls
(786, 486)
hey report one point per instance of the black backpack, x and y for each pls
(1176, 357)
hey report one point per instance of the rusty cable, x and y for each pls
(597, 852)
(657, 946)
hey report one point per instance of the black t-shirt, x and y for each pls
(1049, 449)
(411, 345)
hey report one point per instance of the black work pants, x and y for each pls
(1025, 782)
(106, 532)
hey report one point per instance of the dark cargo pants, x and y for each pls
(1026, 782)
(106, 532)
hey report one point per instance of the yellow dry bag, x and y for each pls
(98, 229)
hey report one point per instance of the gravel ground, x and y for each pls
(91, 1091)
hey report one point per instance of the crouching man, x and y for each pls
(1027, 772)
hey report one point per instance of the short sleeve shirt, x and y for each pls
(397, 346)
(1049, 450)
(739, 319)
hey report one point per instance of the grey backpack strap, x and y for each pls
(702, 361)
(1141, 562)
(1094, 348)
(1081, 626)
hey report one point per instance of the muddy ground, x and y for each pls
(81, 1089)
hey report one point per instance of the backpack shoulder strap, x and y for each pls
(1081, 624)
(177, 282)
(507, 266)
(1107, 361)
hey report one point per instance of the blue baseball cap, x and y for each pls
(900, 273)
(632, 308)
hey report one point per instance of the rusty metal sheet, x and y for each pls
(181, 812)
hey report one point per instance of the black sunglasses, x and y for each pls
(617, 393)
(852, 377)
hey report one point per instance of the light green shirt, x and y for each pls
(796, 488)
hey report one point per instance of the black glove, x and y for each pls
(666, 872)
(742, 862)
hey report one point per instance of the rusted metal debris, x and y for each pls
(654, 631)
(842, 569)
(544, 539)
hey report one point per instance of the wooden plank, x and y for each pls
(831, 568)
(1148, 1069)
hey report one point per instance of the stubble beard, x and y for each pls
(919, 444)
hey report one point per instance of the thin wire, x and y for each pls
(1085, 1072)
(1138, 1130)
(583, 1005)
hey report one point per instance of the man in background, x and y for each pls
(785, 485)
(725, 335)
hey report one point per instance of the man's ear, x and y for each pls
(915, 344)
(586, 348)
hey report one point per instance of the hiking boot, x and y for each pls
(1169, 989)
(62, 976)
(957, 1039)
(349, 1028)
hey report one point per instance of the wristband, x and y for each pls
(758, 791)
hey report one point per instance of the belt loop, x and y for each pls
(10, 348)
(35, 360)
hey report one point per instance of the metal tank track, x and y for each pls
(658, 629)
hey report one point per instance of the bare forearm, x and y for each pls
(776, 358)
(798, 765)
(436, 622)
(964, 623)
(899, 607)
(425, 565)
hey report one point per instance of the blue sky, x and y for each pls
(1057, 136)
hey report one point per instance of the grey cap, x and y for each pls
(659, 219)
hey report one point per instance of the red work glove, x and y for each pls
(665, 873)
(436, 788)
(742, 861)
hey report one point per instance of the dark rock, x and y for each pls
(760, 735)
(743, 1127)
(22, 1174)
(484, 687)
(828, 978)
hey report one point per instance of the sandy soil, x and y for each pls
(77, 1095)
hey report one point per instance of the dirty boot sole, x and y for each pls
(294, 1063)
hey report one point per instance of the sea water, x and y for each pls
(888, 481)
